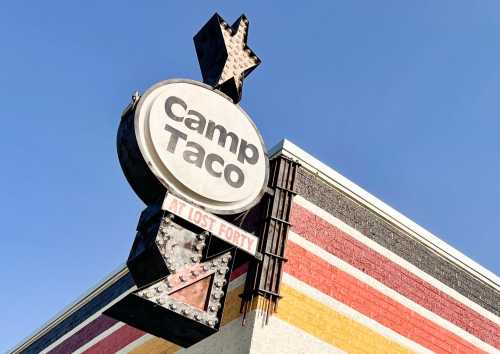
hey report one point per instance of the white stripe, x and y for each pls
(394, 258)
(135, 344)
(236, 282)
(365, 278)
(279, 336)
(353, 314)
(100, 337)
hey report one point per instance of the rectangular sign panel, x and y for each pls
(215, 225)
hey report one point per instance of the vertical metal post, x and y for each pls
(264, 277)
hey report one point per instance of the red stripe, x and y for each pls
(117, 340)
(370, 302)
(242, 269)
(345, 247)
(84, 335)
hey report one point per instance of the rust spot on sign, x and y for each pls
(195, 294)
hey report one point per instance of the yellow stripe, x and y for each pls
(307, 314)
(157, 345)
(332, 327)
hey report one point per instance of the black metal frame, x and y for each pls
(264, 278)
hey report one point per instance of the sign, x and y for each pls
(181, 283)
(190, 146)
(215, 225)
(201, 146)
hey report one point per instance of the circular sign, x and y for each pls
(201, 146)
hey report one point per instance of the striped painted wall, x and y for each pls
(355, 282)
(374, 288)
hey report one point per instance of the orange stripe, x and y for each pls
(363, 298)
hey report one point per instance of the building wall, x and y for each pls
(382, 279)
(355, 282)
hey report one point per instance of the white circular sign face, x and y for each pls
(201, 146)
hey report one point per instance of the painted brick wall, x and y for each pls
(395, 240)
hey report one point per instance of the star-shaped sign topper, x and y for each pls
(225, 59)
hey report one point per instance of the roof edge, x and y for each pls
(113, 277)
(332, 177)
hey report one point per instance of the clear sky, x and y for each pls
(401, 97)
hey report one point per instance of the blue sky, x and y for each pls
(401, 97)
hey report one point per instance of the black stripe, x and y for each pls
(389, 236)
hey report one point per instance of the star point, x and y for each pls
(224, 56)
